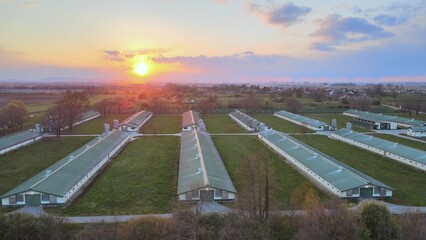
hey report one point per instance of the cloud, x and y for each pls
(121, 56)
(113, 52)
(284, 15)
(388, 20)
(335, 30)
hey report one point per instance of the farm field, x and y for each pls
(404, 141)
(287, 182)
(221, 123)
(96, 126)
(280, 124)
(163, 123)
(408, 182)
(340, 118)
(141, 180)
(22, 164)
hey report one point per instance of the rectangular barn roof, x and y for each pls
(200, 164)
(413, 154)
(418, 128)
(190, 118)
(378, 117)
(67, 172)
(301, 119)
(88, 114)
(16, 138)
(244, 118)
(137, 119)
(336, 173)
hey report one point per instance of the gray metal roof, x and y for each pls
(244, 118)
(418, 128)
(378, 117)
(67, 172)
(137, 119)
(16, 138)
(336, 173)
(200, 164)
(413, 154)
(301, 119)
(190, 118)
(88, 114)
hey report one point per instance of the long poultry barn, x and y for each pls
(336, 177)
(202, 175)
(303, 121)
(135, 121)
(381, 121)
(17, 140)
(247, 122)
(192, 120)
(401, 153)
(62, 181)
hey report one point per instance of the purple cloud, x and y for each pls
(284, 15)
(389, 20)
(336, 30)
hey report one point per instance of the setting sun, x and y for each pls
(140, 67)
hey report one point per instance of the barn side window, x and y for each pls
(217, 193)
(349, 193)
(195, 194)
(383, 192)
(19, 198)
(377, 190)
(45, 197)
(355, 191)
(12, 200)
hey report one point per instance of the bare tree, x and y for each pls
(74, 103)
(293, 105)
(105, 106)
(56, 118)
(361, 103)
(318, 94)
(251, 103)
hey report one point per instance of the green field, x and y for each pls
(141, 180)
(163, 123)
(288, 183)
(409, 183)
(24, 163)
(404, 141)
(340, 118)
(96, 126)
(221, 123)
(280, 124)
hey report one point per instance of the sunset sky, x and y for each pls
(213, 41)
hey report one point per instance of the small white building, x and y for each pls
(135, 121)
(417, 131)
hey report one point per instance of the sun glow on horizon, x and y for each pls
(141, 66)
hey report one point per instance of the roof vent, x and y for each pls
(48, 172)
(71, 157)
(87, 146)
(197, 156)
(340, 169)
(199, 171)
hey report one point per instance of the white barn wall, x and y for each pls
(21, 144)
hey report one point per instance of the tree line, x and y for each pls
(12, 116)
(331, 220)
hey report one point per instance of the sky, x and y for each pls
(213, 41)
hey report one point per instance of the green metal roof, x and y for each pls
(301, 119)
(378, 117)
(200, 164)
(413, 154)
(190, 118)
(418, 128)
(16, 138)
(244, 118)
(88, 114)
(67, 172)
(334, 172)
(137, 119)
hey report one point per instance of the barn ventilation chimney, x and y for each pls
(38, 128)
(116, 124)
(48, 172)
(106, 128)
(334, 124)
(349, 126)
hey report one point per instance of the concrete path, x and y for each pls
(74, 135)
(156, 134)
(233, 134)
(396, 133)
(35, 211)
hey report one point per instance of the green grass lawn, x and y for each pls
(39, 107)
(163, 123)
(96, 126)
(287, 182)
(409, 183)
(280, 124)
(340, 118)
(22, 164)
(141, 180)
(221, 123)
(404, 141)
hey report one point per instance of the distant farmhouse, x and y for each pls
(304, 121)
(202, 174)
(380, 121)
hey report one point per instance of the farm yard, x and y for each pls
(408, 182)
(163, 123)
(96, 126)
(288, 186)
(221, 123)
(340, 118)
(141, 180)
